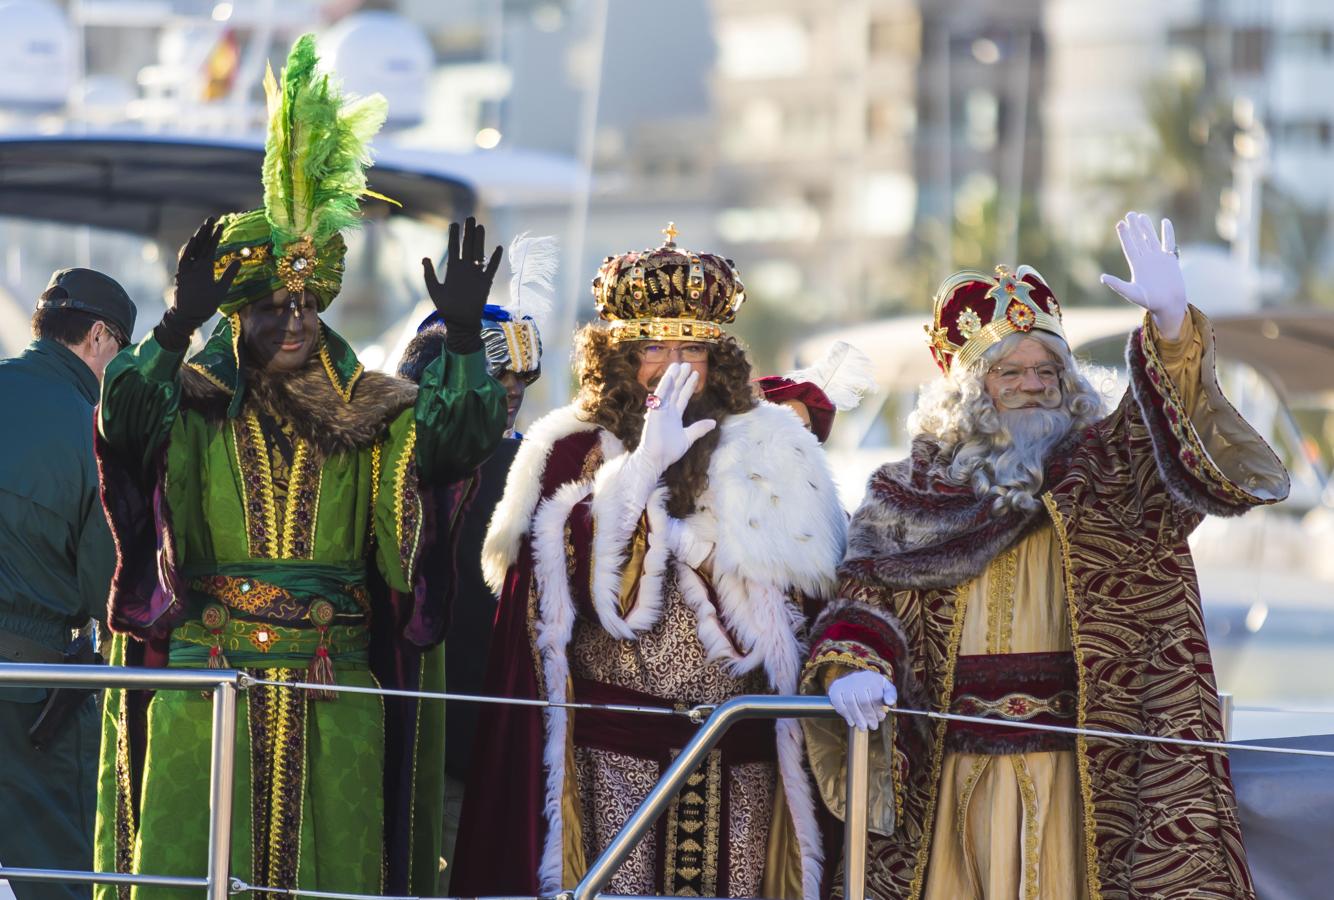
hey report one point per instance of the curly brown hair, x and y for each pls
(611, 396)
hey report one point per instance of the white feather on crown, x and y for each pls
(845, 374)
(533, 265)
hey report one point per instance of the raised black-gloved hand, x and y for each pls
(197, 295)
(462, 295)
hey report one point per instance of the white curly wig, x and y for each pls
(1002, 453)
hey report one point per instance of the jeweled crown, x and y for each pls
(973, 312)
(670, 293)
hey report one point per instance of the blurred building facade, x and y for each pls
(1257, 66)
(846, 127)
(828, 148)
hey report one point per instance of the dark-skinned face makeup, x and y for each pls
(281, 332)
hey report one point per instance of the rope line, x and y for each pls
(1115, 735)
(699, 713)
(239, 887)
(247, 680)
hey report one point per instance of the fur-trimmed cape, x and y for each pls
(769, 521)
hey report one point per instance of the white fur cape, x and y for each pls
(772, 521)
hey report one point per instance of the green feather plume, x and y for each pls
(316, 151)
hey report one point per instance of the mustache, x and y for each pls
(1047, 398)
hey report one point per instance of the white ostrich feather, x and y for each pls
(533, 264)
(846, 375)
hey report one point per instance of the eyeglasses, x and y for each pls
(116, 335)
(1047, 373)
(691, 353)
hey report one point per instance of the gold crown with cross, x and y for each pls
(670, 293)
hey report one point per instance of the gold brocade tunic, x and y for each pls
(1010, 825)
(669, 661)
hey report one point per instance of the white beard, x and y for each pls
(1013, 466)
(1033, 432)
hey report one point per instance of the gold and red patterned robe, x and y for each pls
(1085, 613)
(607, 599)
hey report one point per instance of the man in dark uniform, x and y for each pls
(56, 560)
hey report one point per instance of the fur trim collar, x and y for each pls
(513, 516)
(770, 481)
(770, 515)
(309, 402)
(915, 530)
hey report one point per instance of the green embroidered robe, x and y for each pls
(276, 502)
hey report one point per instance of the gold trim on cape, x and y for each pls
(938, 748)
(1081, 742)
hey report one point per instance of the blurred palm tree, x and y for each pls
(1185, 172)
(1191, 163)
(977, 238)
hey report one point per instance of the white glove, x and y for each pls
(665, 439)
(1155, 272)
(861, 698)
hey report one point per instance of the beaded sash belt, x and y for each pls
(259, 623)
(1013, 687)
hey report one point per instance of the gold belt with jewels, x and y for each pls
(1030, 688)
(250, 617)
(1017, 706)
(262, 599)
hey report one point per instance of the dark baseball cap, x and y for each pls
(94, 293)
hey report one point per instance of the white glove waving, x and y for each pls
(1155, 272)
(665, 438)
(861, 698)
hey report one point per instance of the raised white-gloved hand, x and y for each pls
(665, 438)
(861, 698)
(1155, 272)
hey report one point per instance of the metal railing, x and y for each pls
(672, 780)
(223, 683)
(714, 722)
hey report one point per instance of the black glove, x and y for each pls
(462, 295)
(197, 295)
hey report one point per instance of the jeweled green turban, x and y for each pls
(315, 160)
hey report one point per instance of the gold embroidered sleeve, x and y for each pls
(827, 755)
(1208, 438)
(1181, 358)
(854, 634)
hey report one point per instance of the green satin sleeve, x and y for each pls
(141, 393)
(460, 416)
